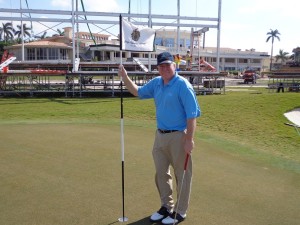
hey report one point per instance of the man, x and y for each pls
(176, 112)
(177, 60)
(188, 59)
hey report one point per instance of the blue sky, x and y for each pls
(244, 23)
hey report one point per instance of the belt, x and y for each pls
(166, 131)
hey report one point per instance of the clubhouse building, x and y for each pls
(101, 48)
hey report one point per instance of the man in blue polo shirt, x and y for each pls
(176, 112)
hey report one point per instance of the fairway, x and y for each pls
(70, 173)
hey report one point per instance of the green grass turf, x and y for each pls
(247, 118)
(60, 161)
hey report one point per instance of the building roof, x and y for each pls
(48, 44)
(94, 34)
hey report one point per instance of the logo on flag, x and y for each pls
(136, 35)
(136, 38)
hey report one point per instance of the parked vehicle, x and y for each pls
(249, 76)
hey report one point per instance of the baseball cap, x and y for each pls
(165, 57)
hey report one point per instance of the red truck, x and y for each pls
(249, 76)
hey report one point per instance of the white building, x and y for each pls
(59, 50)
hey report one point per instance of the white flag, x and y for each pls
(136, 38)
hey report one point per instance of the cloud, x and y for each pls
(248, 10)
(94, 5)
(254, 7)
(62, 4)
(89, 5)
(234, 26)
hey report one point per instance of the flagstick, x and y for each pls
(123, 218)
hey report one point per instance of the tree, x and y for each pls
(7, 31)
(283, 56)
(272, 35)
(26, 31)
(60, 33)
(42, 36)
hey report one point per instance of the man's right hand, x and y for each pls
(132, 87)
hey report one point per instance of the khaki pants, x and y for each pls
(168, 151)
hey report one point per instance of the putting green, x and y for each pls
(71, 174)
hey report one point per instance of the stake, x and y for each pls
(185, 165)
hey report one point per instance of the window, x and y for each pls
(63, 54)
(229, 68)
(188, 43)
(41, 53)
(169, 42)
(182, 43)
(255, 60)
(134, 55)
(213, 59)
(30, 54)
(229, 60)
(53, 53)
(159, 41)
(243, 60)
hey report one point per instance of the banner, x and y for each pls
(136, 38)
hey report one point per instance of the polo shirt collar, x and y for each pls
(172, 81)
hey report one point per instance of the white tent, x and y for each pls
(294, 117)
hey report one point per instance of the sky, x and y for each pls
(244, 24)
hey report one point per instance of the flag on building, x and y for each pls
(136, 38)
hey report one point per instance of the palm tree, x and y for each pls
(25, 31)
(42, 36)
(60, 33)
(272, 35)
(7, 31)
(283, 56)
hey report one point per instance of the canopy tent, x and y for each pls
(294, 117)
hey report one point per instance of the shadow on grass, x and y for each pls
(66, 101)
(115, 222)
(77, 101)
(144, 221)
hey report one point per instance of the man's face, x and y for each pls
(167, 71)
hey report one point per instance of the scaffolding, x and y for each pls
(75, 17)
(95, 83)
(79, 83)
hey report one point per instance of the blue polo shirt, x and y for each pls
(175, 102)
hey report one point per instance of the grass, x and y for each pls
(253, 120)
(60, 161)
